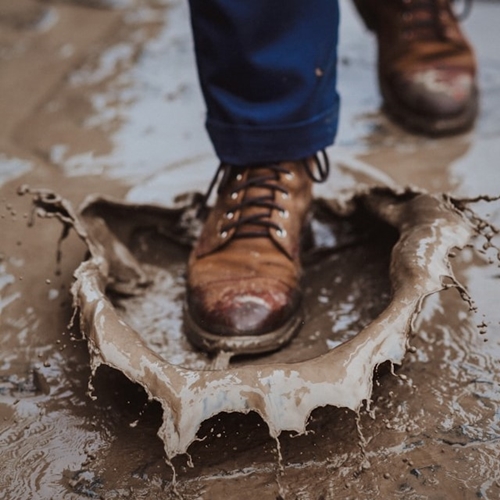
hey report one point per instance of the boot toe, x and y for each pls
(250, 314)
(253, 311)
(436, 93)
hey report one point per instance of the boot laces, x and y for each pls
(256, 223)
(426, 20)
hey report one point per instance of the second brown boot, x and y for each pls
(426, 66)
(243, 292)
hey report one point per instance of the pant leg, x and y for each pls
(267, 70)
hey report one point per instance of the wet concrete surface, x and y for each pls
(102, 97)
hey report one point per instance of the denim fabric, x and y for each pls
(268, 71)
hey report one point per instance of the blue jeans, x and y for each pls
(268, 71)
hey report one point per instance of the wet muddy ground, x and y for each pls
(101, 97)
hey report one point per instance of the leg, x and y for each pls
(268, 74)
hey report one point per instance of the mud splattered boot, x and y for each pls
(243, 292)
(426, 67)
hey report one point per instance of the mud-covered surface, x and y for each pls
(101, 97)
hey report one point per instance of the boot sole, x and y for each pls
(242, 344)
(431, 126)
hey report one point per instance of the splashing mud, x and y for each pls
(129, 294)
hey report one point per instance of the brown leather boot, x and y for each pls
(243, 292)
(426, 67)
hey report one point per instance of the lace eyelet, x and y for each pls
(234, 195)
(223, 234)
(239, 177)
(284, 214)
(285, 196)
(229, 215)
(281, 233)
(289, 176)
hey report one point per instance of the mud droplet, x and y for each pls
(23, 189)
(366, 465)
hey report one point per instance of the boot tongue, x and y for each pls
(253, 195)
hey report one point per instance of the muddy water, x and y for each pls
(81, 124)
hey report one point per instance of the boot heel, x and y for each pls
(366, 13)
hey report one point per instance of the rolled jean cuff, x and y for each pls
(246, 144)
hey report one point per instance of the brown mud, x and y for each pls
(102, 98)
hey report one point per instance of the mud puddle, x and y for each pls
(130, 296)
